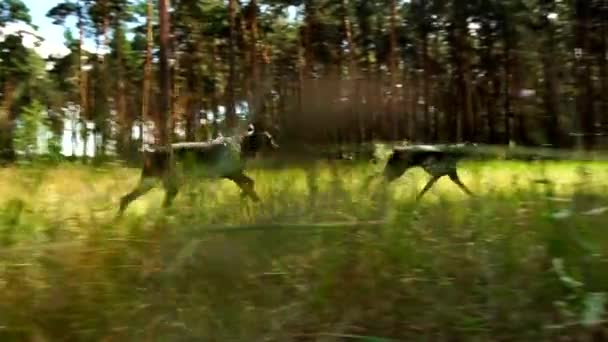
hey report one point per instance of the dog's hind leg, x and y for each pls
(454, 177)
(145, 185)
(246, 184)
(171, 189)
(427, 187)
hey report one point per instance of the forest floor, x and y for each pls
(323, 257)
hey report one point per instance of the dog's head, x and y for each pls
(257, 141)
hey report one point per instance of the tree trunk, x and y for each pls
(551, 94)
(309, 30)
(508, 111)
(425, 83)
(491, 90)
(348, 35)
(393, 69)
(231, 118)
(7, 149)
(255, 84)
(459, 49)
(214, 95)
(355, 114)
(436, 129)
(193, 103)
(414, 125)
(469, 129)
(603, 65)
(165, 74)
(124, 135)
(147, 84)
(81, 78)
(584, 99)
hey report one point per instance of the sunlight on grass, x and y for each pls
(322, 255)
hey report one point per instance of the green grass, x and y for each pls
(323, 258)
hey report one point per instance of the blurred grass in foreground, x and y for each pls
(525, 260)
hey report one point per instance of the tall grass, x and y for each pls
(323, 257)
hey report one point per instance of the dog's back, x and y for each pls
(223, 158)
(436, 160)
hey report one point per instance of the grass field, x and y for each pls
(322, 258)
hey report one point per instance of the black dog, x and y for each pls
(437, 161)
(219, 158)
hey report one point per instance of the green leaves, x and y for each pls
(27, 132)
(13, 11)
(62, 11)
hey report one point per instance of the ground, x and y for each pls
(323, 257)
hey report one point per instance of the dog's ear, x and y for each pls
(250, 129)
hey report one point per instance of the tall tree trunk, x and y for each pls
(393, 69)
(177, 108)
(469, 129)
(193, 104)
(231, 118)
(255, 84)
(459, 50)
(302, 68)
(425, 82)
(603, 65)
(436, 129)
(124, 120)
(366, 32)
(147, 82)
(348, 35)
(584, 99)
(165, 73)
(508, 111)
(81, 78)
(551, 93)
(308, 31)
(99, 89)
(355, 114)
(7, 149)
(215, 102)
(414, 124)
(492, 89)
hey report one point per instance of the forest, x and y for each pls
(531, 73)
(321, 248)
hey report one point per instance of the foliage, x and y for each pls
(13, 11)
(490, 71)
(522, 261)
(28, 129)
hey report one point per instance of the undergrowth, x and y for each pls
(323, 257)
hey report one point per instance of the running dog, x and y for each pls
(224, 157)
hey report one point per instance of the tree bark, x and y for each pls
(7, 149)
(584, 98)
(231, 118)
(309, 26)
(165, 73)
(460, 56)
(551, 93)
(393, 69)
(508, 111)
(121, 101)
(147, 82)
(255, 84)
(81, 78)
(425, 83)
(603, 65)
